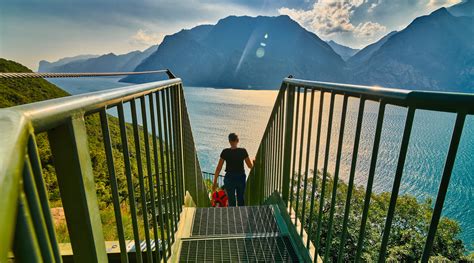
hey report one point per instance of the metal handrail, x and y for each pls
(16, 75)
(421, 99)
(282, 161)
(46, 114)
(26, 225)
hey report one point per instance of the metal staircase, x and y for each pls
(166, 192)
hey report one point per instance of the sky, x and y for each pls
(34, 30)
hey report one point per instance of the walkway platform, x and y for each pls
(234, 234)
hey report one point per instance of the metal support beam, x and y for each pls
(70, 151)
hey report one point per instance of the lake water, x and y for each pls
(214, 113)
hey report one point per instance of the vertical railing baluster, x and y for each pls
(293, 163)
(181, 138)
(370, 179)
(269, 162)
(325, 170)
(443, 186)
(169, 165)
(113, 183)
(36, 212)
(163, 173)
(288, 138)
(177, 142)
(262, 178)
(355, 153)
(315, 170)
(281, 143)
(272, 156)
(169, 183)
(43, 196)
(267, 167)
(175, 148)
(141, 182)
(130, 185)
(336, 177)
(274, 153)
(306, 170)
(169, 147)
(277, 146)
(158, 255)
(396, 183)
(300, 156)
(151, 189)
(25, 244)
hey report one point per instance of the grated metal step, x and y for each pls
(237, 234)
(227, 221)
(255, 249)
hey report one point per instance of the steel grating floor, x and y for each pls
(237, 234)
(256, 249)
(234, 221)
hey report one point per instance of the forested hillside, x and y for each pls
(21, 91)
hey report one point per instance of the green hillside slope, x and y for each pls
(21, 91)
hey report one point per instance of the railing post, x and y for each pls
(290, 93)
(70, 151)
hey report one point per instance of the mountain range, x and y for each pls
(95, 63)
(46, 66)
(244, 52)
(434, 52)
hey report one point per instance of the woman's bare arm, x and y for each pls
(216, 173)
(249, 163)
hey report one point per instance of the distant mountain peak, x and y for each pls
(344, 51)
(245, 51)
(433, 52)
(111, 54)
(443, 11)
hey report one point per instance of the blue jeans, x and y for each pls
(234, 182)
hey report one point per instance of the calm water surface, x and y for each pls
(216, 112)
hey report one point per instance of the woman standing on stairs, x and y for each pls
(234, 180)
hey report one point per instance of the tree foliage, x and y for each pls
(408, 232)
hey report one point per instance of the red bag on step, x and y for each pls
(219, 199)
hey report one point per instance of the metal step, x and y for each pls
(244, 220)
(253, 249)
(237, 234)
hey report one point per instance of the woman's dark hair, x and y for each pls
(233, 137)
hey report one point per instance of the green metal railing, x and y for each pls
(209, 177)
(165, 171)
(283, 165)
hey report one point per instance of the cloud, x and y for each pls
(329, 17)
(440, 3)
(145, 37)
(369, 29)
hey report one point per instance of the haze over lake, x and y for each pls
(216, 112)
